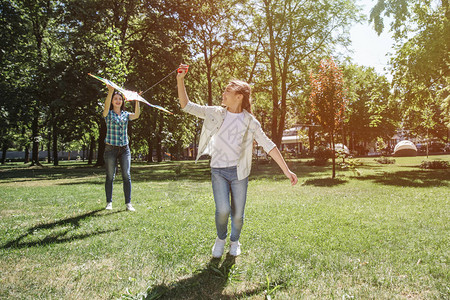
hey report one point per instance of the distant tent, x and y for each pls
(405, 148)
(341, 147)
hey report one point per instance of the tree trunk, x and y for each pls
(150, 151)
(4, 149)
(351, 142)
(55, 145)
(158, 143)
(333, 154)
(209, 79)
(273, 71)
(312, 139)
(195, 148)
(27, 155)
(101, 144)
(282, 114)
(35, 134)
(84, 151)
(344, 136)
(284, 73)
(91, 150)
(49, 145)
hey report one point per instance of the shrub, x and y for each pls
(434, 164)
(321, 156)
(385, 160)
(350, 164)
(177, 169)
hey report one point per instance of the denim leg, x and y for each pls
(110, 158)
(221, 191)
(238, 199)
(125, 162)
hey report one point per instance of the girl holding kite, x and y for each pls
(227, 135)
(116, 144)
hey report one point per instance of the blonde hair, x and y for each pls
(243, 88)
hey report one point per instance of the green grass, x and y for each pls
(381, 235)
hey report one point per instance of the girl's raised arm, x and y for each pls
(182, 95)
(137, 111)
(108, 101)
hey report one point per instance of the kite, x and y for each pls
(129, 95)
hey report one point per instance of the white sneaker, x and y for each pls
(235, 248)
(217, 250)
(130, 207)
(108, 206)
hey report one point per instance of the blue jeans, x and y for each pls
(225, 184)
(122, 153)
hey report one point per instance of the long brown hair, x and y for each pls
(243, 88)
(122, 107)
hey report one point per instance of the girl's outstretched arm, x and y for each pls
(108, 101)
(137, 111)
(276, 155)
(182, 95)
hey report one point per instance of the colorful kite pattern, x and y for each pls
(128, 95)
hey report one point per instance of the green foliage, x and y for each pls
(435, 164)
(420, 64)
(271, 288)
(321, 156)
(371, 112)
(385, 160)
(296, 33)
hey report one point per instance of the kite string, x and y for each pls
(157, 82)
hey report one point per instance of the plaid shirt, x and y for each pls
(116, 128)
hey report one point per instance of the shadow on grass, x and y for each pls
(143, 172)
(57, 236)
(415, 178)
(324, 182)
(208, 283)
(140, 172)
(24, 174)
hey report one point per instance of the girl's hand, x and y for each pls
(110, 88)
(292, 177)
(182, 71)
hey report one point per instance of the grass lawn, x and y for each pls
(382, 234)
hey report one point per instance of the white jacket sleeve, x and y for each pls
(196, 109)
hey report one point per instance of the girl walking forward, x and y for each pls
(227, 135)
(116, 144)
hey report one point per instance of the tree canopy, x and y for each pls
(48, 47)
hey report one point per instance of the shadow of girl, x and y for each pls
(57, 232)
(207, 283)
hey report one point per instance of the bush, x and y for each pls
(385, 160)
(350, 164)
(321, 156)
(177, 169)
(434, 164)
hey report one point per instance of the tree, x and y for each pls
(298, 32)
(371, 111)
(421, 64)
(14, 64)
(328, 100)
(211, 34)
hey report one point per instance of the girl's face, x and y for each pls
(117, 100)
(231, 98)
